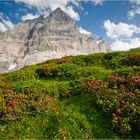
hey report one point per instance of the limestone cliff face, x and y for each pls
(35, 41)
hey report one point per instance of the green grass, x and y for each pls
(76, 117)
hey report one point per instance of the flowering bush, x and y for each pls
(118, 97)
(132, 60)
(125, 72)
(13, 105)
(63, 71)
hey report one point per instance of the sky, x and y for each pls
(116, 21)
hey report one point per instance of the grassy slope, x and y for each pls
(76, 116)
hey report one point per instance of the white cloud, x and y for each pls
(75, 2)
(136, 2)
(83, 31)
(122, 35)
(69, 10)
(37, 3)
(2, 27)
(53, 4)
(124, 45)
(29, 17)
(135, 9)
(97, 2)
(115, 31)
(5, 23)
(131, 14)
(134, 12)
(43, 5)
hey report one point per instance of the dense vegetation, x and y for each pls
(85, 97)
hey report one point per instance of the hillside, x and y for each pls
(76, 97)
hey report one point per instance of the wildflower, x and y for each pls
(11, 91)
(90, 83)
(81, 84)
(97, 82)
(42, 94)
(115, 117)
(9, 108)
(114, 78)
(24, 100)
(122, 102)
(50, 99)
(137, 81)
(131, 93)
(53, 109)
(12, 102)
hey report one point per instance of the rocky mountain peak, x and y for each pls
(40, 39)
(60, 15)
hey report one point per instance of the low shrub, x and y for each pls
(125, 72)
(117, 97)
(59, 90)
(132, 60)
(113, 60)
(63, 71)
(21, 75)
(30, 86)
(14, 105)
(64, 60)
(90, 60)
(71, 72)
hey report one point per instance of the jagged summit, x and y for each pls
(41, 39)
(59, 14)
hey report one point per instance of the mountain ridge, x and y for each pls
(40, 39)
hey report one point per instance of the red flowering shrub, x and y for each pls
(115, 117)
(132, 60)
(93, 83)
(14, 105)
(12, 102)
(137, 81)
(117, 96)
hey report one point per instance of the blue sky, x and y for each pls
(118, 22)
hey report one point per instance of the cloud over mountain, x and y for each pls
(29, 17)
(135, 9)
(120, 30)
(124, 45)
(83, 31)
(43, 5)
(5, 23)
(122, 35)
